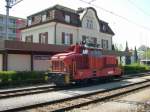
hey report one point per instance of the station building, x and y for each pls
(51, 31)
(61, 25)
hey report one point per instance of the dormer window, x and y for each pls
(29, 22)
(43, 17)
(104, 28)
(67, 18)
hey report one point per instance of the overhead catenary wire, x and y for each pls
(139, 8)
(91, 1)
(117, 15)
(16, 2)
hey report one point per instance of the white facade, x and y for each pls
(40, 29)
(90, 27)
(67, 29)
(19, 62)
(1, 62)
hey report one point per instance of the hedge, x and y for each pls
(135, 68)
(25, 77)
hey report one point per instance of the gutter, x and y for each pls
(55, 31)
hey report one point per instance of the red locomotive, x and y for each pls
(82, 63)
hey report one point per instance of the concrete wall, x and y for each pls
(19, 62)
(1, 62)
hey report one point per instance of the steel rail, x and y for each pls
(87, 98)
(84, 100)
(50, 88)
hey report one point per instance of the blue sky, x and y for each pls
(124, 31)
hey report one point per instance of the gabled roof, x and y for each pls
(102, 23)
(107, 27)
(60, 7)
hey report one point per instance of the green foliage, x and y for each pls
(146, 54)
(135, 55)
(135, 68)
(127, 57)
(118, 47)
(12, 77)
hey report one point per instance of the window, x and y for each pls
(43, 38)
(93, 40)
(104, 28)
(1, 19)
(29, 38)
(12, 21)
(87, 39)
(104, 44)
(84, 39)
(29, 22)
(89, 24)
(67, 18)
(12, 30)
(67, 38)
(43, 17)
(1, 29)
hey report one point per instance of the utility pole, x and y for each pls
(9, 4)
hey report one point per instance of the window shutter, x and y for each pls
(31, 38)
(26, 39)
(46, 37)
(102, 43)
(40, 38)
(63, 38)
(71, 38)
(107, 44)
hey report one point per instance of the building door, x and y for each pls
(41, 62)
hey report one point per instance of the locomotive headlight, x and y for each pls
(65, 69)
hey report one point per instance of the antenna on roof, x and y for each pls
(80, 10)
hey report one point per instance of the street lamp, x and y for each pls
(9, 4)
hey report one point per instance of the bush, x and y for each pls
(25, 77)
(135, 68)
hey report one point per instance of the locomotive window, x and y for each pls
(99, 53)
(95, 53)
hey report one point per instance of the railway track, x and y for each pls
(86, 99)
(82, 100)
(26, 91)
(48, 88)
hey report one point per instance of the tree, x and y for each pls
(118, 47)
(135, 55)
(143, 48)
(127, 57)
(146, 54)
(113, 47)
